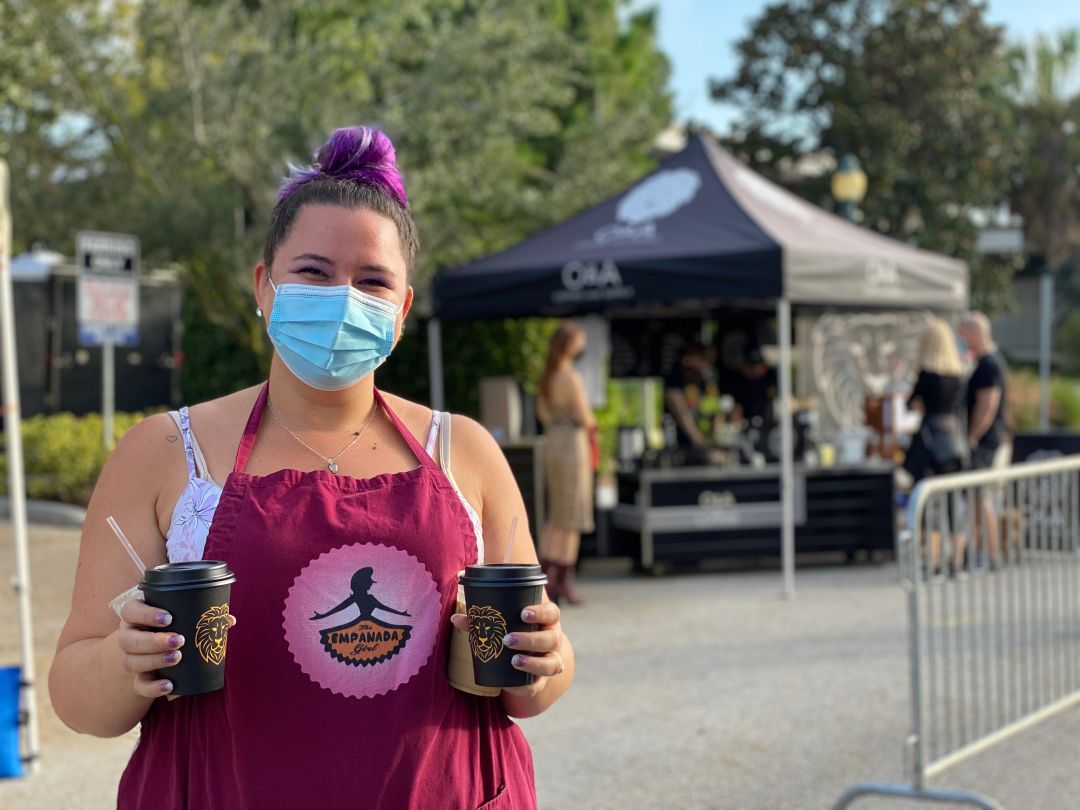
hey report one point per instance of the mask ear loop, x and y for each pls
(258, 310)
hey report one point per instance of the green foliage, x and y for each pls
(212, 365)
(1024, 391)
(917, 90)
(405, 373)
(1068, 336)
(63, 455)
(176, 121)
(992, 282)
(471, 351)
(623, 409)
(513, 347)
(1047, 192)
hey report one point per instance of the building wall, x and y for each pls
(1017, 334)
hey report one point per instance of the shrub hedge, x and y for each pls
(63, 455)
(1024, 399)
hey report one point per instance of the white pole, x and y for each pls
(108, 392)
(435, 365)
(16, 480)
(1046, 317)
(787, 449)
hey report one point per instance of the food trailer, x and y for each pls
(704, 237)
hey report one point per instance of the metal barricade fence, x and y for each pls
(991, 564)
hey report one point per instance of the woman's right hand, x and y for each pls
(148, 650)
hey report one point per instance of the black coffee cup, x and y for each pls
(495, 595)
(196, 594)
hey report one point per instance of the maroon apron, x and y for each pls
(335, 691)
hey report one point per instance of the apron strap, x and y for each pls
(406, 434)
(243, 452)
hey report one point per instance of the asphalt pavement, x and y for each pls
(693, 690)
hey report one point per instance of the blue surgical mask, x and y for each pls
(331, 337)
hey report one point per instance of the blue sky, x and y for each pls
(697, 35)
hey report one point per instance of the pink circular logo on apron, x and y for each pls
(362, 620)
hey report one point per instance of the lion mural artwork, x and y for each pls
(487, 627)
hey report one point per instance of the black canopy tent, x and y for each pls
(700, 228)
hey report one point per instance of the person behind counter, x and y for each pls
(754, 389)
(684, 390)
(563, 407)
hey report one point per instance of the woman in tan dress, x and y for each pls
(564, 409)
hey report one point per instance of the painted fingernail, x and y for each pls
(528, 615)
(176, 640)
(510, 641)
(165, 686)
(518, 661)
(163, 619)
(171, 657)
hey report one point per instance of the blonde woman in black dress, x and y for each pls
(564, 410)
(939, 448)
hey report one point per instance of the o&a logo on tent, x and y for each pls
(655, 198)
(591, 281)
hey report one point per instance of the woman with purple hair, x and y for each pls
(336, 692)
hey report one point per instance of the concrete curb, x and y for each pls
(49, 513)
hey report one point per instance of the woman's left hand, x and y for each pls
(538, 651)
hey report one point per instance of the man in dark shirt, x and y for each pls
(986, 418)
(985, 392)
(754, 389)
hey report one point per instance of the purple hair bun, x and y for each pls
(361, 154)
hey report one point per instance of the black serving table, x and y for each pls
(689, 514)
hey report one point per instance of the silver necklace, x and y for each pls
(331, 462)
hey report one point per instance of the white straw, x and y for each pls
(510, 540)
(127, 544)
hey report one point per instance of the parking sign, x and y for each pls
(108, 288)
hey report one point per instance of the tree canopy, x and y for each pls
(917, 90)
(176, 121)
(1046, 190)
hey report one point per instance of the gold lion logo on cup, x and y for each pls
(211, 633)
(486, 630)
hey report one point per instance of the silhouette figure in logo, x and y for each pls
(366, 603)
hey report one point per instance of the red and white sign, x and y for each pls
(108, 300)
(108, 288)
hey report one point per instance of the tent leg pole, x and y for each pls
(1046, 319)
(787, 449)
(16, 481)
(435, 365)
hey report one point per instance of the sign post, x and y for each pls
(108, 295)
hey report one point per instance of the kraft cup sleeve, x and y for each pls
(466, 681)
(117, 602)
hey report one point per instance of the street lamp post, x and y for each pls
(848, 186)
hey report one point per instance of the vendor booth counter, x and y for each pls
(686, 515)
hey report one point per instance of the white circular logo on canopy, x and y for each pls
(660, 196)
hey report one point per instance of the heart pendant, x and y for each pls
(332, 466)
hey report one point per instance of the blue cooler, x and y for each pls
(10, 758)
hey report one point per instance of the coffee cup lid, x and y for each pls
(187, 574)
(503, 573)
